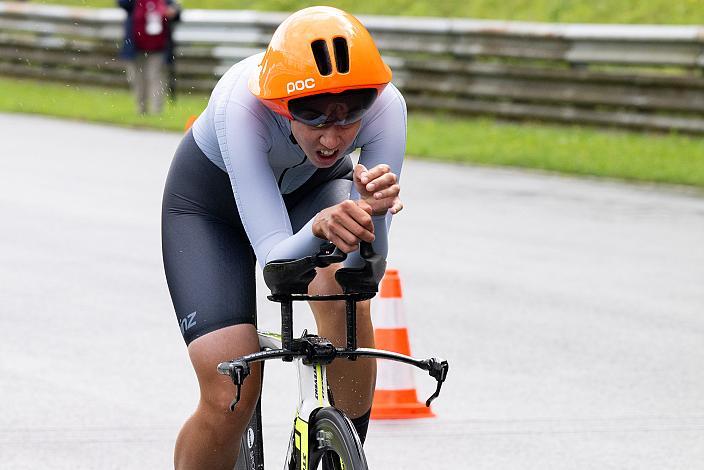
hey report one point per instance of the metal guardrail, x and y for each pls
(632, 76)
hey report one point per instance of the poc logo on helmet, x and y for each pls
(300, 85)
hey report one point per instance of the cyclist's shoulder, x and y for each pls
(390, 103)
(232, 88)
(392, 94)
(387, 117)
(231, 98)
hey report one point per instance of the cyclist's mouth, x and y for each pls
(327, 155)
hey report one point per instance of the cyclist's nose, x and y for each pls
(330, 138)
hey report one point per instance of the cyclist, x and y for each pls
(266, 172)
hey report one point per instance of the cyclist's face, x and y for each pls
(323, 145)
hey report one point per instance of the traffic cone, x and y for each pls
(190, 122)
(395, 396)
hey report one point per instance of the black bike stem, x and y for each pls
(287, 326)
(351, 310)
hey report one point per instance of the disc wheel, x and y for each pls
(334, 444)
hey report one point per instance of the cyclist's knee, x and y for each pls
(218, 391)
(215, 402)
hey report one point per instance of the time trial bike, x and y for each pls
(322, 436)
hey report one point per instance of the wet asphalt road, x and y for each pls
(571, 311)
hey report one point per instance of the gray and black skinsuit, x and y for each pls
(239, 187)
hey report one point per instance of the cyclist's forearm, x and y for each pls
(305, 243)
(300, 244)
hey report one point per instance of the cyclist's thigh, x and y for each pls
(208, 260)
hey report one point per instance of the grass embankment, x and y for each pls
(576, 150)
(564, 11)
(90, 103)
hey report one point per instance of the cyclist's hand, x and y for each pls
(379, 188)
(345, 224)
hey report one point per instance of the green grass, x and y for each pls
(566, 149)
(574, 150)
(565, 11)
(92, 104)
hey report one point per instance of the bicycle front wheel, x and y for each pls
(334, 444)
(251, 455)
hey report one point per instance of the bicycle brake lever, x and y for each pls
(437, 370)
(238, 371)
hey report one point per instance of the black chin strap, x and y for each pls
(293, 139)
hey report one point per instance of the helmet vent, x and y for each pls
(322, 57)
(342, 55)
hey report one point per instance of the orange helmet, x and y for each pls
(320, 51)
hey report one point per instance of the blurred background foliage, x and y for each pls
(558, 11)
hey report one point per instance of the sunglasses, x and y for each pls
(332, 109)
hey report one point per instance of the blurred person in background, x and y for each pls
(148, 49)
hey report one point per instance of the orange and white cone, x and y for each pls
(395, 396)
